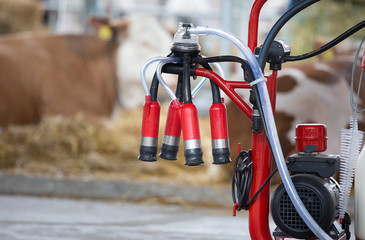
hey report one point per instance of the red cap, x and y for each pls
(311, 134)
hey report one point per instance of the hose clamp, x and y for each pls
(263, 79)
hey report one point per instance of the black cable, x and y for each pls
(242, 179)
(328, 45)
(277, 27)
(262, 187)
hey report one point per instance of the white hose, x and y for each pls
(271, 133)
(205, 30)
(143, 72)
(219, 70)
(159, 75)
(221, 73)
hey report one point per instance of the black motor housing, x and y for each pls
(322, 165)
(320, 197)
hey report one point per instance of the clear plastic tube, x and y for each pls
(143, 72)
(219, 69)
(201, 83)
(221, 73)
(159, 75)
(271, 131)
(205, 30)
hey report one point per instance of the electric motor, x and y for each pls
(311, 175)
(320, 197)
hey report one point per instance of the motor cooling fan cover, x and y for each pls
(320, 197)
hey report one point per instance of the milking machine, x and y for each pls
(309, 203)
(312, 173)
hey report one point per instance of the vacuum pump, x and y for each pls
(312, 172)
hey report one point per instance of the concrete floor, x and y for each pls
(37, 218)
(42, 218)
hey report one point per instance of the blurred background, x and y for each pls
(73, 146)
(71, 104)
(64, 16)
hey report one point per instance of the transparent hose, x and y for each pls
(205, 30)
(201, 83)
(143, 72)
(159, 75)
(271, 132)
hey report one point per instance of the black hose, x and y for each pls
(179, 88)
(223, 58)
(328, 45)
(229, 58)
(216, 95)
(277, 27)
(154, 88)
(262, 61)
(267, 43)
(186, 79)
(176, 69)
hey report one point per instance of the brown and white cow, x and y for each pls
(47, 74)
(307, 92)
(61, 74)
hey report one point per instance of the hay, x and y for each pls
(20, 15)
(74, 147)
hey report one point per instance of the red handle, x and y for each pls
(254, 23)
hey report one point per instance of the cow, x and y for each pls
(64, 74)
(146, 39)
(307, 92)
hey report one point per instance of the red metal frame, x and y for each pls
(228, 87)
(253, 24)
(261, 164)
(261, 156)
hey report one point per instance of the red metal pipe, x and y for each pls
(261, 163)
(254, 23)
(271, 87)
(237, 84)
(258, 217)
(228, 90)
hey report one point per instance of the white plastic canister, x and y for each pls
(360, 196)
